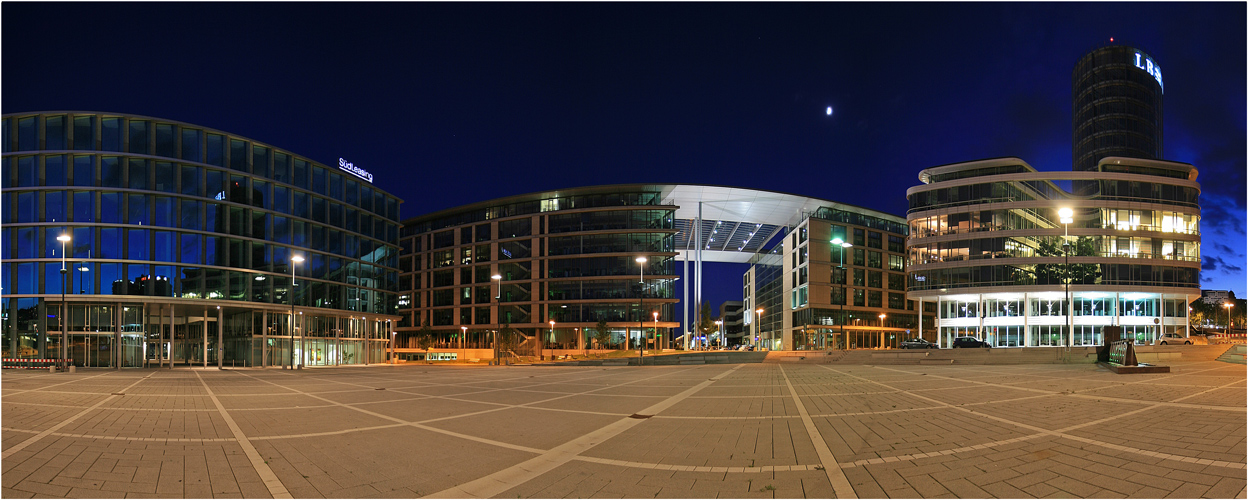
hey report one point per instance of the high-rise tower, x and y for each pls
(1116, 102)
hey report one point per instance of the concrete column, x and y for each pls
(684, 297)
(1187, 318)
(979, 319)
(264, 339)
(940, 336)
(173, 339)
(221, 340)
(1027, 319)
(117, 336)
(920, 318)
(160, 333)
(697, 269)
(205, 329)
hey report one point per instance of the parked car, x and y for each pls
(1174, 338)
(917, 344)
(969, 342)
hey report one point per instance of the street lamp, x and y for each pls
(294, 260)
(656, 330)
(64, 238)
(1228, 306)
(844, 245)
(463, 332)
(1066, 216)
(882, 316)
(552, 338)
(498, 279)
(641, 305)
(758, 326)
(719, 327)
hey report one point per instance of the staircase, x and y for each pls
(1234, 355)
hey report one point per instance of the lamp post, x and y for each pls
(1228, 306)
(552, 337)
(463, 332)
(1066, 216)
(719, 333)
(294, 260)
(758, 326)
(656, 330)
(844, 245)
(64, 238)
(882, 316)
(498, 279)
(641, 305)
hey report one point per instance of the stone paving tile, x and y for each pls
(896, 431)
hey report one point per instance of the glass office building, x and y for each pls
(1116, 102)
(987, 244)
(178, 247)
(816, 294)
(567, 257)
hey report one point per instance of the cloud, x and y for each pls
(1211, 263)
(1216, 216)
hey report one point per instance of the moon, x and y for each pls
(829, 110)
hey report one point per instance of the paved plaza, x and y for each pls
(773, 430)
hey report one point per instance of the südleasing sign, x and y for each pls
(354, 170)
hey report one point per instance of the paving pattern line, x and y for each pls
(34, 439)
(1174, 403)
(953, 451)
(14, 393)
(126, 438)
(831, 467)
(516, 475)
(275, 486)
(1056, 433)
(421, 424)
(697, 468)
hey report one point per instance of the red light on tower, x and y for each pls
(1111, 38)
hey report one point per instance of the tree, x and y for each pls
(602, 334)
(424, 336)
(706, 326)
(1056, 274)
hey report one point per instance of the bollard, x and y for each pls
(52, 369)
(73, 369)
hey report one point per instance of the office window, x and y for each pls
(190, 144)
(84, 171)
(238, 155)
(875, 259)
(54, 133)
(165, 140)
(84, 132)
(136, 174)
(139, 142)
(214, 150)
(110, 134)
(54, 170)
(27, 134)
(84, 206)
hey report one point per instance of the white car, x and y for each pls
(1174, 338)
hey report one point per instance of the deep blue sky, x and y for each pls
(448, 104)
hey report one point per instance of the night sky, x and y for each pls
(448, 104)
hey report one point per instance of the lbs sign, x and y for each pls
(357, 171)
(1145, 63)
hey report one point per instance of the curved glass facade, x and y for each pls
(1117, 106)
(567, 257)
(168, 221)
(992, 244)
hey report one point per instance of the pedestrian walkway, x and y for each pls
(769, 430)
